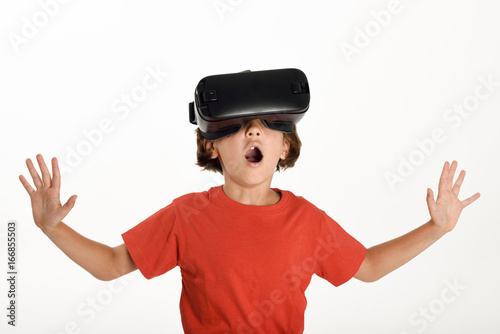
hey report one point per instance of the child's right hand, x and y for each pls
(45, 202)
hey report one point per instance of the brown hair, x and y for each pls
(205, 161)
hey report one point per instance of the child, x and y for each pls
(246, 251)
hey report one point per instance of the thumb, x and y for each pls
(431, 203)
(70, 203)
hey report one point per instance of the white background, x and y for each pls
(63, 74)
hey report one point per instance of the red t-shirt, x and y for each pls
(244, 268)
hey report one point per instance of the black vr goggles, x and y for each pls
(224, 103)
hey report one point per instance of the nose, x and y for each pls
(254, 128)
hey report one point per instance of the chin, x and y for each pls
(253, 177)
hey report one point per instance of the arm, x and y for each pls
(386, 257)
(103, 262)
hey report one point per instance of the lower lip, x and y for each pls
(254, 164)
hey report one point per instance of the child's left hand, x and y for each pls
(446, 210)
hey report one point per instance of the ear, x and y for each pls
(211, 147)
(285, 148)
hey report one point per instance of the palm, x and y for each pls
(45, 202)
(446, 210)
(46, 207)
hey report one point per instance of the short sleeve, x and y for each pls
(338, 254)
(153, 244)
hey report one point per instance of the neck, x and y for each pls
(258, 195)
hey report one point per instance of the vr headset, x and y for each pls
(224, 103)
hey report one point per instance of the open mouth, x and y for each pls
(254, 155)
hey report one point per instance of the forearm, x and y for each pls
(98, 259)
(389, 256)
